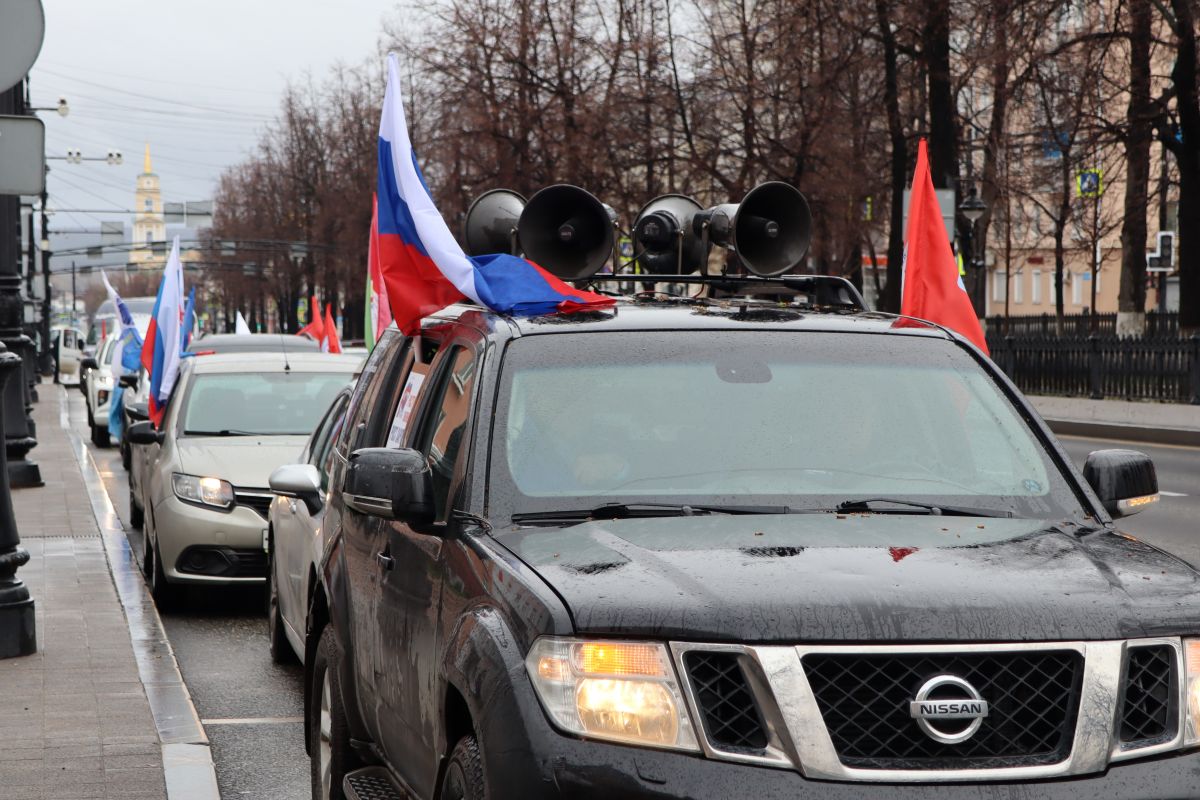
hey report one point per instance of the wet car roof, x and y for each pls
(690, 315)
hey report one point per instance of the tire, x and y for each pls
(100, 436)
(126, 454)
(91, 417)
(166, 596)
(464, 778)
(137, 518)
(281, 648)
(331, 756)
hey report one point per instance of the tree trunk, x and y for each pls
(990, 190)
(1131, 316)
(890, 298)
(943, 132)
(1183, 77)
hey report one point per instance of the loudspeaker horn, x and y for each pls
(567, 231)
(664, 235)
(769, 231)
(491, 223)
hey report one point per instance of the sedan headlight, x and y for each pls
(212, 492)
(621, 691)
(1191, 661)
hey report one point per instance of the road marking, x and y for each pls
(1171, 494)
(251, 721)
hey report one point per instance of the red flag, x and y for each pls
(332, 343)
(933, 289)
(316, 325)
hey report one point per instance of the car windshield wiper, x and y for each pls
(222, 432)
(913, 507)
(628, 510)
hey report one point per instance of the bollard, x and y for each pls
(18, 631)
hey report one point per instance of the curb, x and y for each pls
(1144, 434)
(187, 759)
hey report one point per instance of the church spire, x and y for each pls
(146, 169)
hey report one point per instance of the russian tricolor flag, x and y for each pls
(423, 267)
(161, 349)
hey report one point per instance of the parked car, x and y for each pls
(632, 553)
(295, 535)
(97, 386)
(230, 421)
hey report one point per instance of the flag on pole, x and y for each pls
(316, 323)
(378, 310)
(189, 321)
(129, 333)
(931, 287)
(239, 325)
(160, 351)
(423, 267)
(331, 343)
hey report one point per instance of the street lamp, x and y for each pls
(75, 156)
(62, 108)
(972, 208)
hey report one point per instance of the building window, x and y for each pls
(999, 285)
(149, 237)
(149, 204)
(1076, 289)
(1036, 286)
(1018, 294)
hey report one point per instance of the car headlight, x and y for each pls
(620, 691)
(1191, 662)
(212, 492)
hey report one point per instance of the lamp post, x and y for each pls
(972, 208)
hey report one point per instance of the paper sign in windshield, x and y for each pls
(404, 409)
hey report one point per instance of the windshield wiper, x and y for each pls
(912, 506)
(222, 432)
(629, 510)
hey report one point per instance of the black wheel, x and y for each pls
(329, 734)
(91, 418)
(464, 779)
(100, 436)
(137, 518)
(281, 648)
(126, 454)
(166, 596)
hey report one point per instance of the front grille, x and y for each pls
(731, 717)
(864, 699)
(1149, 714)
(259, 501)
(223, 562)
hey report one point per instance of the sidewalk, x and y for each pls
(1155, 423)
(75, 720)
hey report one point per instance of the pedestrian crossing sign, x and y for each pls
(1090, 183)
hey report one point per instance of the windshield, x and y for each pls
(804, 420)
(267, 403)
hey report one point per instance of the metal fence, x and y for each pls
(1162, 368)
(1164, 323)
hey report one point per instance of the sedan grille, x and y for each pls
(1149, 713)
(864, 699)
(259, 501)
(731, 716)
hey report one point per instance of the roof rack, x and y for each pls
(822, 290)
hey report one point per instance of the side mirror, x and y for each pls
(144, 433)
(129, 381)
(1124, 480)
(88, 362)
(138, 411)
(301, 481)
(390, 483)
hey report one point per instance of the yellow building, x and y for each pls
(148, 224)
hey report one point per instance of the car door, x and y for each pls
(411, 582)
(68, 352)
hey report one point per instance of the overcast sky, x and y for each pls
(197, 80)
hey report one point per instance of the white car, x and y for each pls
(67, 343)
(296, 544)
(230, 421)
(97, 386)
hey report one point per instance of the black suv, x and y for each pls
(693, 549)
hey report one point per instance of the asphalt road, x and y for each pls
(251, 708)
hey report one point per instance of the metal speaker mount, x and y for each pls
(769, 231)
(567, 231)
(664, 236)
(491, 223)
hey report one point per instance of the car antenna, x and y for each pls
(287, 367)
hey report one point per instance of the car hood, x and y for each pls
(244, 461)
(864, 578)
